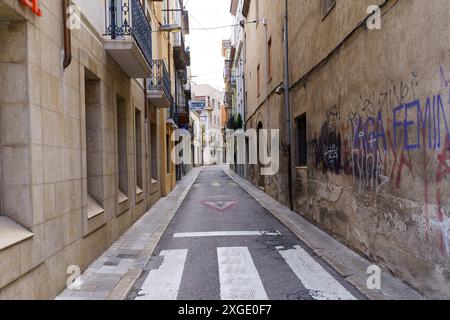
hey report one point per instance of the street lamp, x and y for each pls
(170, 28)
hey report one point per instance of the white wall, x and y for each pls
(94, 11)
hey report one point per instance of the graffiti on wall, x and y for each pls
(442, 220)
(368, 153)
(328, 150)
(381, 138)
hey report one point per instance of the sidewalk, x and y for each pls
(112, 275)
(346, 262)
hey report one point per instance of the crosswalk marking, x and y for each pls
(314, 277)
(164, 283)
(239, 279)
(216, 184)
(225, 234)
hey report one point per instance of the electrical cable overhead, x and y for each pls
(222, 27)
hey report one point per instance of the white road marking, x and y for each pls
(164, 283)
(220, 205)
(314, 277)
(215, 184)
(225, 234)
(239, 279)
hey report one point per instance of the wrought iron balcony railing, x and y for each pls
(127, 18)
(160, 80)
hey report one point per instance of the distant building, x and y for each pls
(211, 120)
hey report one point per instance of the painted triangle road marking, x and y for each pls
(220, 205)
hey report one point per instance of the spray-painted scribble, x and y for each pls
(328, 150)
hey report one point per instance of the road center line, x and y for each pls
(225, 234)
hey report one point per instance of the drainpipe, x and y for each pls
(264, 21)
(287, 101)
(67, 39)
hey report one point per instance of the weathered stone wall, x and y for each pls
(378, 127)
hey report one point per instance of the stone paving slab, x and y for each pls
(114, 272)
(344, 260)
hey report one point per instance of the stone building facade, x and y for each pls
(370, 124)
(83, 139)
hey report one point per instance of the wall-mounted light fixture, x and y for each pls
(170, 28)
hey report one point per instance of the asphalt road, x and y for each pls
(222, 244)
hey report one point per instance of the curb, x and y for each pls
(124, 286)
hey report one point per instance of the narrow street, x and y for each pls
(199, 150)
(222, 244)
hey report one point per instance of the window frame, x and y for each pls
(300, 144)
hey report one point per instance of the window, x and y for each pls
(94, 163)
(168, 152)
(154, 152)
(122, 149)
(258, 76)
(16, 213)
(269, 58)
(302, 146)
(138, 151)
(327, 5)
(261, 178)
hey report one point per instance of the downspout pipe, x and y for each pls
(264, 21)
(67, 38)
(287, 101)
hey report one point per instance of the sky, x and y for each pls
(207, 61)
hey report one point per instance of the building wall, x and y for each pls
(44, 147)
(238, 41)
(376, 177)
(212, 122)
(163, 49)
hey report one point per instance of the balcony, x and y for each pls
(128, 37)
(181, 54)
(228, 99)
(182, 109)
(159, 85)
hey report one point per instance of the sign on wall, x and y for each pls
(33, 5)
(197, 105)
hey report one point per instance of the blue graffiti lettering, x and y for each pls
(433, 117)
